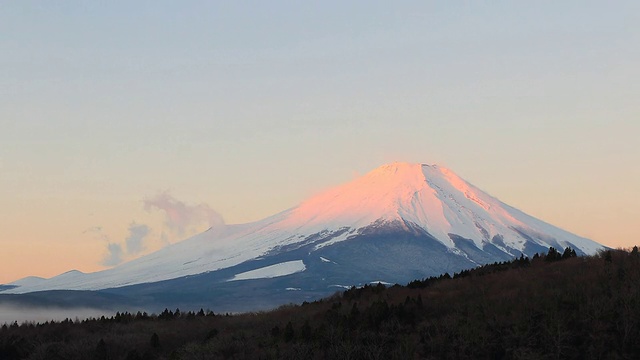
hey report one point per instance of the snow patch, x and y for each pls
(380, 282)
(271, 271)
(341, 286)
(342, 237)
(325, 260)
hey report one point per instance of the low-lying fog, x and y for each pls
(11, 313)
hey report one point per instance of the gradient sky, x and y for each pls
(125, 125)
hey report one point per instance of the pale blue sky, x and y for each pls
(252, 106)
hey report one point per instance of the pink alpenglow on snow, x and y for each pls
(429, 197)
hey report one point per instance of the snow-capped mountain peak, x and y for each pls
(430, 196)
(377, 195)
(429, 206)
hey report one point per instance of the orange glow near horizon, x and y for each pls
(55, 247)
(247, 110)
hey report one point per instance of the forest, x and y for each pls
(553, 306)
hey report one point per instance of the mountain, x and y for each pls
(397, 223)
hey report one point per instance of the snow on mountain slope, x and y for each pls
(430, 197)
(277, 270)
(29, 281)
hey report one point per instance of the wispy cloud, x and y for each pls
(181, 218)
(135, 241)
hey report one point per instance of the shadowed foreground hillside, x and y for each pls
(556, 306)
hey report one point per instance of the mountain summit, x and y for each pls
(436, 200)
(399, 222)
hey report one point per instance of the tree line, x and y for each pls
(553, 306)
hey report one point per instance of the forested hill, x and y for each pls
(554, 306)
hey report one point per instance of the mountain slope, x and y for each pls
(381, 220)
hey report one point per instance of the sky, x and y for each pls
(126, 126)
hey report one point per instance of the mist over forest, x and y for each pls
(10, 313)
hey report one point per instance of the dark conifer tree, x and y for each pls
(289, 333)
(305, 331)
(155, 341)
(101, 350)
(553, 254)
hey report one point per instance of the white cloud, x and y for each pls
(181, 218)
(114, 255)
(135, 241)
